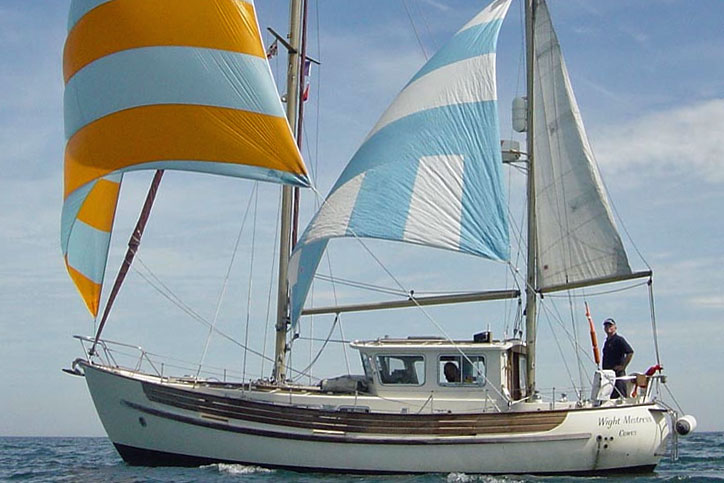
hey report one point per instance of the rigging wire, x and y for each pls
(337, 318)
(304, 372)
(225, 283)
(653, 321)
(507, 318)
(162, 289)
(417, 35)
(577, 349)
(521, 49)
(563, 358)
(574, 326)
(604, 292)
(553, 311)
(421, 14)
(311, 339)
(334, 341)
(271, 282)
(319, 90)
(361, 285)
(545, 308)
(517, 231)
(337, 321)
(623, 225)
(387, 290)
(517, 324)
(318, 103)
(518, 236)
(673, 398)
(519, 77)
(167, 293)
(251, 284)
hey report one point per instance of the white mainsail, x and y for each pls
(577, 236)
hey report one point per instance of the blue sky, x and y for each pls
(648, 78)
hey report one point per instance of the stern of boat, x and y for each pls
(627, 438)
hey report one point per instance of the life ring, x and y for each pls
(642, 380)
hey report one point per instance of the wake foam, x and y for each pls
(465, 478)
(235, 469)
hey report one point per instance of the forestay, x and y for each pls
(163, 84)
(577, 237)
(429, 172)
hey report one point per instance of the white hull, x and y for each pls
(146, 431)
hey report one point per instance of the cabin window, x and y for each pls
(515, 364)
(523, 370)
(367, 366)
(405, 369)
(456, 370)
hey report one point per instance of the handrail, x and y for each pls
(106, 353)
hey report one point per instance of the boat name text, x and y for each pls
(609, 421)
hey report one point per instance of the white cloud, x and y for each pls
(589, 7)
(696, 282)
(636, 35)
(438, 5)
(674, 141)
(709, 301)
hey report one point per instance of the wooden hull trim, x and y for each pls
(448, 424)
(329, 438)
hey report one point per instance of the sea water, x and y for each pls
(701, 458)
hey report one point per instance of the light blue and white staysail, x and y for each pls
(429, 172)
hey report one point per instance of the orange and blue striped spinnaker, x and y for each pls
(162, 84)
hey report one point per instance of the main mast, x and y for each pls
(530, 306)
(292, 99)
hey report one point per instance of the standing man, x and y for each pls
(617, 353)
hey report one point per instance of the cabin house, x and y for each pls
(453, 375)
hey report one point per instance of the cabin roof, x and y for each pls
(433, 344)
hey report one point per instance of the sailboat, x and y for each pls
(429, 173)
